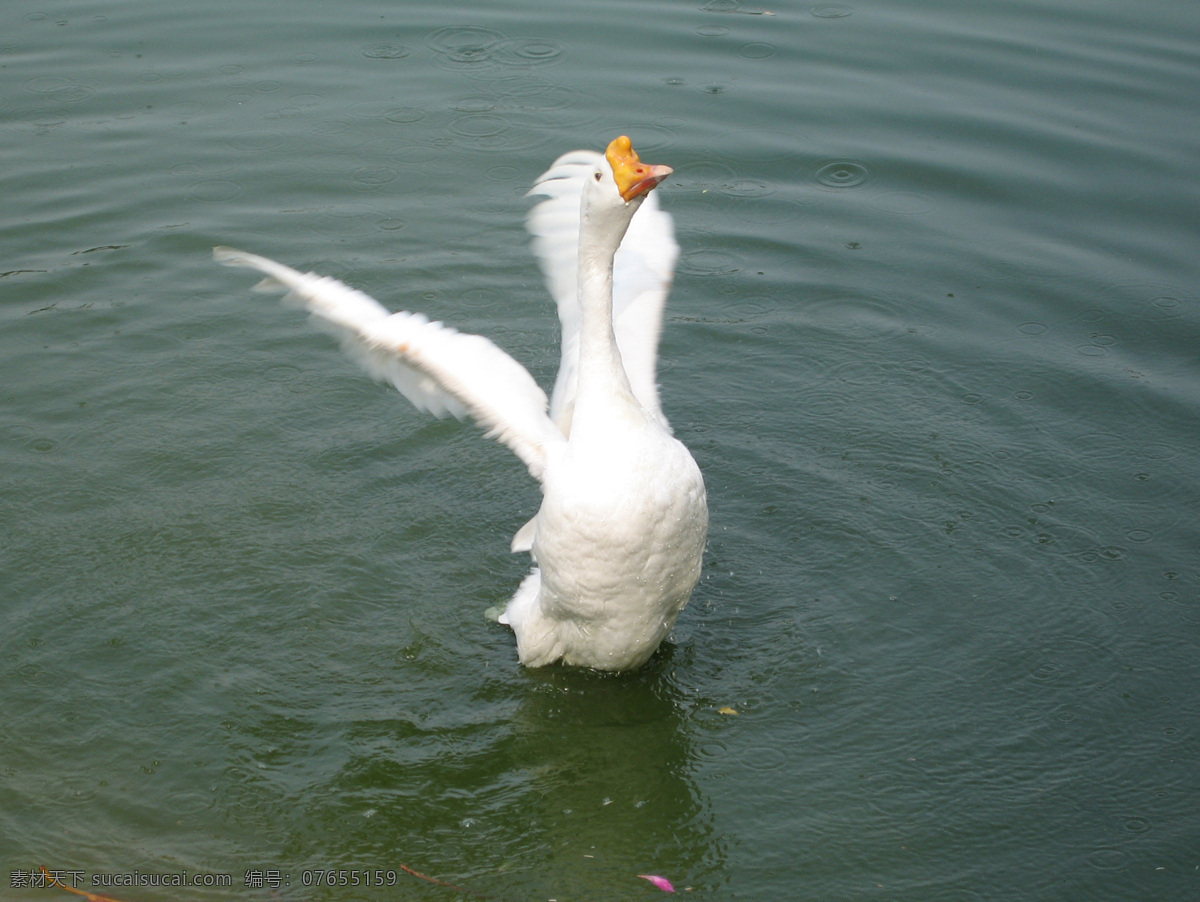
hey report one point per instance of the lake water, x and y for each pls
(934, 340)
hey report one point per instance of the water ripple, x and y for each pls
(385, 51)
(529, 51)
(843, 174)
(59, 88)
(708, 261)
(474, 47)
(479, 126)
(456, 39)
(757, 50)
(404, 115)
(746, 187)
(372, 177)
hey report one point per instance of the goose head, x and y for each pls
(617, 186)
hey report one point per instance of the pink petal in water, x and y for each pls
(661, 882)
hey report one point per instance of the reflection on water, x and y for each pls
(568, 787)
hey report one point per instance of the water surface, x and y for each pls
(933, 340)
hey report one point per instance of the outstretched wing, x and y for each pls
(642, 273)
(436, 367)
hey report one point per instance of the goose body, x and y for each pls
(618, 540)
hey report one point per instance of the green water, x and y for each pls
(934, 341)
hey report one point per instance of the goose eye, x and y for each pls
(597, 175)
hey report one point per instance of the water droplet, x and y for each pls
(1033, 328)
(843, 174)
(712, 31)
(1046, 672)
(452, 38)
(385, 51)
(469, 56)
(1137, 824)
(464, 47)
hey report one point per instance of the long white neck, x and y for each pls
(601, 372)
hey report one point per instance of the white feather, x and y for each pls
(438, 369)
(642, 274)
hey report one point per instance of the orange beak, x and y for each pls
(633, 177)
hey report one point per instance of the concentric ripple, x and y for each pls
(843, 174)
(386, 51)
(460, 39)
(529, 52)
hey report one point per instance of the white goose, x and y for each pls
(618, 539)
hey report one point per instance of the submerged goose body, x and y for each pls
(618, 540)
